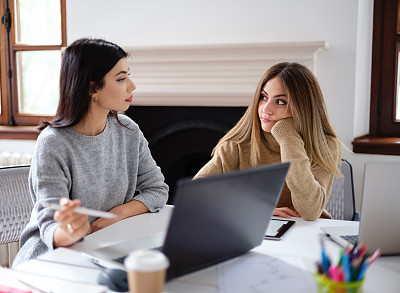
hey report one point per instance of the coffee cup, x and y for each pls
(146, 271)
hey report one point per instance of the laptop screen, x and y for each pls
(222, 216)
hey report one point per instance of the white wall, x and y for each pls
(15, 145)
(180, 22)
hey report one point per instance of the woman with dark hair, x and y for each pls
(286, 121)
(88, 154)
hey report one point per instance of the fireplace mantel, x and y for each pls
(210, 75)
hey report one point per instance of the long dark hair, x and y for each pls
(84, 65)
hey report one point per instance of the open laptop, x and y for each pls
(214, 219)
(380, 217)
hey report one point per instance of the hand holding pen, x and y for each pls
(72, 226)
(82, 210)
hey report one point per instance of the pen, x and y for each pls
(335, 273)
(367, 263)
(341, 256)
(361, 251)
(374, 256)
(361, 264)
(362, 271)
(320, 269)
(325, 262)
(352, 264)
(346, 266)
(353, 254)
(82, 210)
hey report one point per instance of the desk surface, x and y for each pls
(302, 241)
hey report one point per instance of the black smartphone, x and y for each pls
(277, 228)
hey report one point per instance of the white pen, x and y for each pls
(82, 210)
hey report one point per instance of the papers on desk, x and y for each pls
(255, 272)
(46, 284)
(19, 281)
(9, 282)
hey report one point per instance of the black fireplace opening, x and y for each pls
(181, 138)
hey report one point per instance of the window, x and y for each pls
(384, 132)
(32, 36)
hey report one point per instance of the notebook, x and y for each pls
(380, 217)
(214, 219)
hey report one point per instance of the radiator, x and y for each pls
(9, 251)
(15, 158)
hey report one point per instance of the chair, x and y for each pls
(15, 209)
(341, 203)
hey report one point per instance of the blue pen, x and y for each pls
(362, 271)
(325, 262)
(368, 262)
(346, 267)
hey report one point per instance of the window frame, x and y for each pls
(384, 132)
(4, 83)
(20, 125)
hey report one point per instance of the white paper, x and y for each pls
(30, 281)
(257, 273)
(47, 284)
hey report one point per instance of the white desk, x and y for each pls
(302, 241)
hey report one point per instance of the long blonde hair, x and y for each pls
(306, 103)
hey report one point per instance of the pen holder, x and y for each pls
(326, 285)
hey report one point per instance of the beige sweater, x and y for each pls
(307, 186)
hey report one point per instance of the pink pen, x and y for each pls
(374, 256)
(369, 261)
(335, 273)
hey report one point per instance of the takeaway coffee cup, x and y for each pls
(146, 271)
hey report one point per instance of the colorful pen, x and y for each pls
(362, 271)
(361, 251)
(326, 263)
(367, 263)
(346, 266)
(335, 273)
(375, 255)
(352, 263)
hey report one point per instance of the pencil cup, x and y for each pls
(146, 271)
(326, 285)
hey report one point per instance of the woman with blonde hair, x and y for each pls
(287, 121)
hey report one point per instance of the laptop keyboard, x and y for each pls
(122, 259)
(353, 239)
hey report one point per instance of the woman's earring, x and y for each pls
(92, 92)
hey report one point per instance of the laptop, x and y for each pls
(214, 219)
(380, 217)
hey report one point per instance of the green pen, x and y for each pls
(340, 256)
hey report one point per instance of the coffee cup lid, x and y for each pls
(146, 261)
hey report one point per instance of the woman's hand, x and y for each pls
(126, 210)
(101, 223)
(71, 226)
(285, 213)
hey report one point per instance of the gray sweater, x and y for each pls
(103, 171)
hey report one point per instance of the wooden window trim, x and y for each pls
(377, 145)
(4, 115)
(384, 132)
(18, 132)
(30, 121)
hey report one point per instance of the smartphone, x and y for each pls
(277, 228)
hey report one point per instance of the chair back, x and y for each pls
(15, 209)
(341, 203)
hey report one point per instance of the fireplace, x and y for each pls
(181, 138)
(189, 96)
